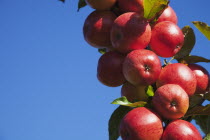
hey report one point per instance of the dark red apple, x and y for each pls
(97, 28)
(101, 4)
(181, 130)
(130, 32)
(167, 39)
(179, 74)
(131, 6)
(134, 93)
(202, 77)
(168, 15)
(171, 101)
(141, 124)
(109, 71)
(141, 67)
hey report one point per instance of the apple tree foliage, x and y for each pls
(196, 111)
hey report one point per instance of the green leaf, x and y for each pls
(194, 59)
(152, 8)
(198, 110)
(102, 51)
(189, 42)
(81, 4)
(207, 96)
(123, 101)
(203, 28)
(203, 122)
(207, 137)
(196, 99)
(149, 91)
(114, 121)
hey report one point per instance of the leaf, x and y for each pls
(153, 7)
(194, 59)
(102, 51)
(196, 99)
(114, 121)
(203, 28)
(123, 101)
(189, 42)
(149, 91)
(204, 123)
(207, 137)
(207, 96)
(81, 4)
(198, 110)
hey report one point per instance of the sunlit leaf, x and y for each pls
(189, 42)
(203, 28)
(114, 121)
(207, 137)
(123, 101)
(149, 91)
(102, 51)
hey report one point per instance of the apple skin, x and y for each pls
(101, 4)
(181, 130)
(131, 6)
(202, 76)
(141, 67)
(167, 39)
(168, 15)
(171, 101)
(130, 32)
(134, 93)
(109, 70)
(179, 74)
(141, 124)
(97, 27)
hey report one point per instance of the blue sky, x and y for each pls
(48, 84)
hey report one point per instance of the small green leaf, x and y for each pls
(203, 28)
(153, 7)
(194, 59)
(203, 122)
(102, 51)
(114, 121)
(207, 137)
(123, 101)
(81, 4)
(198, 110)
(189, 42)
(196, 99)
(149, 91)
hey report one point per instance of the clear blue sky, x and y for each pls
(48, 84)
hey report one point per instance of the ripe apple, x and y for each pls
(109, 70)
(131, 6)
(167, 39)
(134, 93)
(97, 28)
(179, 74)
(171, 101)
(130, 32)
(101, 4)
(168, 15)
(202, 77)
(141, 124)
(181, 130)
(141, 67)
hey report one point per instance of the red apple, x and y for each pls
(97, 28)
(101, 4)
(141, 124)
(131, 6)
(130, 32)
(202, 77)
(171, 101)
(167, 39)
(134, 93)
(109, 71)
(181, 130)
(141, 67)
(168, 15)
(179, 74)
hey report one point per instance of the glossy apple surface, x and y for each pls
(141, 124)
(131, 6)
(168, 15)
(101, 4)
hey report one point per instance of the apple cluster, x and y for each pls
(132, 48)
